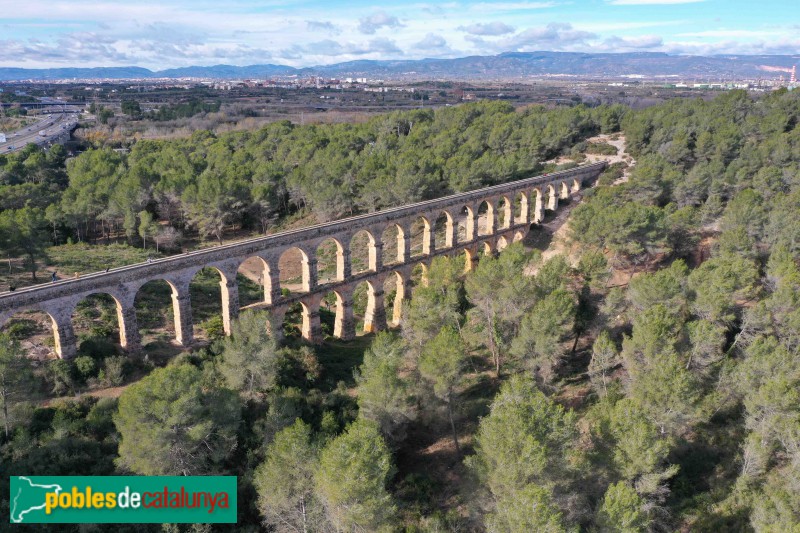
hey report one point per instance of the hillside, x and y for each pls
(505, 66)
(634, 369)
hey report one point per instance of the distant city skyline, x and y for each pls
(170, 33)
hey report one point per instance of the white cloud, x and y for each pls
(326, 48)
(631, 44)
(487, 28)
(431, 41)
(170, 33)
(376, 21)
(554, 36)
(326, 26)
(782, 46)
(434, 45)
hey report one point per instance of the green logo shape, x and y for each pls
(122, 499)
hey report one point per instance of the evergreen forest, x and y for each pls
(645, 379)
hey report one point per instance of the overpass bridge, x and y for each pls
(39, 104)
(462, 236)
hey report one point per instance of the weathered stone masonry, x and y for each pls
(532, 195)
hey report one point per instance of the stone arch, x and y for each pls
(297, 270)
(502, 243)
(469, 259)
(518, 236)
(576, 185)
(466, 224)
(564, 190)
(340, 305)
(419, 274)
(396, 245)
(364, 256)
(368, 303)
(522, 208)
(552, 197)
(152, 295)
(35, 330)
(505, 212)
(486, 218)
(485, 249)
(333, 262)
(421, 237)
(443, 235)
(538, 205)
(210, 298)
(291, 323)
(394, 290)
(255, 282)
(102, 314)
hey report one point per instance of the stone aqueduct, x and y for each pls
(532, 196)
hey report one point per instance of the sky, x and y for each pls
(175, 33)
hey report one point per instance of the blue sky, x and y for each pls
(173, 33)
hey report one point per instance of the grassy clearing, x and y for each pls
(601, 148)
(88, 258)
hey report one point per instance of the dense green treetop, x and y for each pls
(174, 422)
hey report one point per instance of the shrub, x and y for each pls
(97, 348)
(214, 327)
(86, 367)
(612, 174)
(577, 157)
(113, 374)
(101, 331)
(21, 328)
(61, 376)
(601, 149)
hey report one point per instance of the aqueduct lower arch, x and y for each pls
(60, 298)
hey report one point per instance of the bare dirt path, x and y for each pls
(617, 140)
(552, 237)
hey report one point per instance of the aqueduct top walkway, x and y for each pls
(531, 197)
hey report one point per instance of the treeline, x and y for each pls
(188, 109)
(183, 110)
(246, 179)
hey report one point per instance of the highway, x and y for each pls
(53, 125)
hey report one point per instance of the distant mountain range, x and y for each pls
(506, 66)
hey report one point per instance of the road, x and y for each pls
(53, 125)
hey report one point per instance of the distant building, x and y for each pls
(2, 137)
